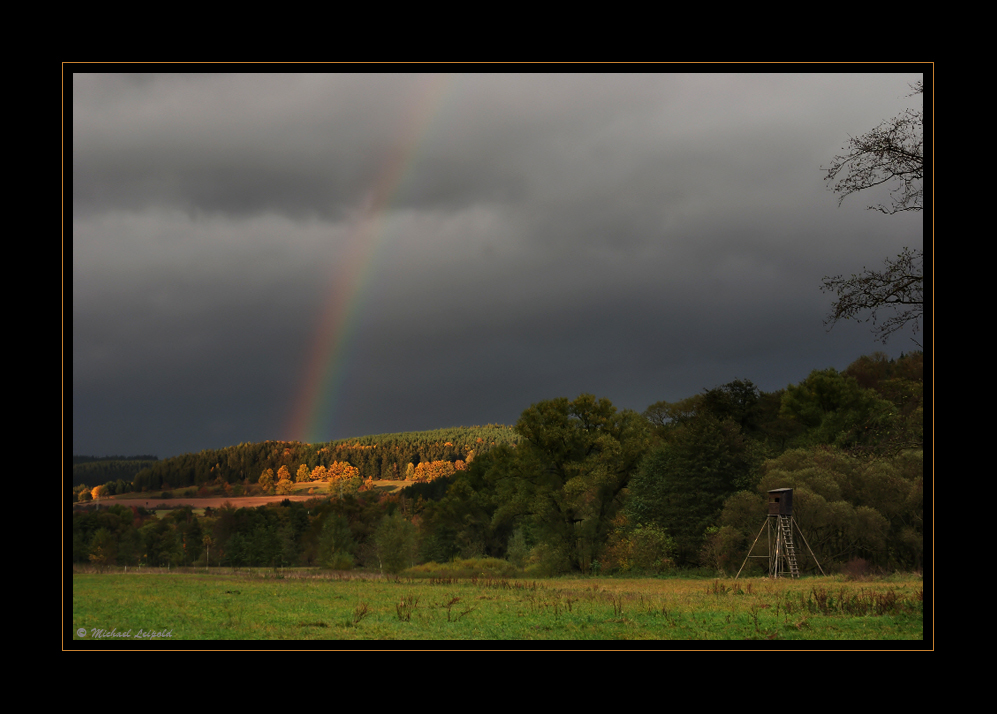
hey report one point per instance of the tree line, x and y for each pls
(685, 484)
(584, 487)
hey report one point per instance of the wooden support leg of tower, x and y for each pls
(775, 557)
(808, 547)
(751, 549)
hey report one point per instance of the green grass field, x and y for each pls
(312, 605)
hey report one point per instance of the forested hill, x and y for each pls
(383, 456)
(93, 470)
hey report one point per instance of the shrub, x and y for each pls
(723, 549)
(547, 561)
(642, 548)
(518, 551)
(855, 569)
(466, 568)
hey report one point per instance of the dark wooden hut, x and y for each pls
(781, 502)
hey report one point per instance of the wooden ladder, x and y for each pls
(786, 528)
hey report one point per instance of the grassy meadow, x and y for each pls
(315, 605)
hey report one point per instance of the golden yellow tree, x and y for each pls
(267, 480)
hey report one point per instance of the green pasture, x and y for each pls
(311, 605)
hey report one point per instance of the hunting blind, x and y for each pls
(781, 502)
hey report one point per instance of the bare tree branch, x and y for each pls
(892, 153)
(900, 285)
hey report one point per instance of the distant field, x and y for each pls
(315, 605)
(214, 502)
(300, 494)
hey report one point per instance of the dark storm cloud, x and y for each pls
(641, 237)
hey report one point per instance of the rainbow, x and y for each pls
(328, 356)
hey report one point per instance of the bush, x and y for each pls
(518, 550)
(723, 549)
(466, 568)
(855, 569)
(547, 561)
(644, 548)
(339, 561)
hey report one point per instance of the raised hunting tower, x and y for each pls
(784, 556)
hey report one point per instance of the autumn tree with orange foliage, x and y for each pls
(341, 471)
(432, 470)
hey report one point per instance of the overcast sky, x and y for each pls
(317, 257)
